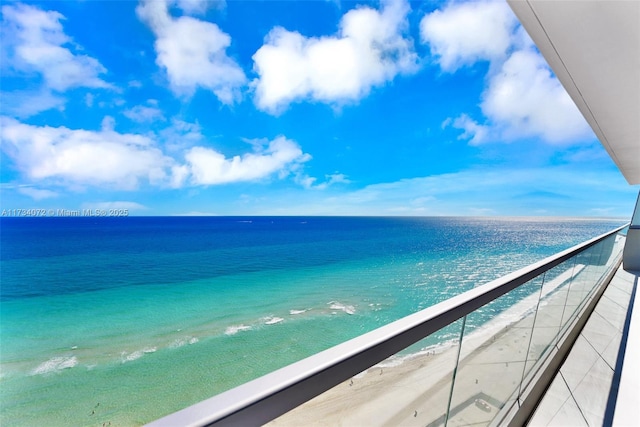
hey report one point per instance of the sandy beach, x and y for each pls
(416, 392)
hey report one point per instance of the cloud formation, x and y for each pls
(369, 50)
(28, 103)
(206, 166)
(522, 98)
(474, 132)
(144, 113)
(309, 182)
(34, 42)
(464, 33)
(80, 158)
(192, 52)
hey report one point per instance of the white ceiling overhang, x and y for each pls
(593, 47)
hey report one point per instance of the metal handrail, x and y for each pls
(266, 398)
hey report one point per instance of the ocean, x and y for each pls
(124, 320)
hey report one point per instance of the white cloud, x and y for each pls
(463, 33)
(337, 178)
(476, 133)
(107, 159)
(108, 124)
(331, 179)
(79, 157)
(206, 166)
(369, 50)
(179, 175)
(306, 181)
(522, 98)
(180, 135)
(35, 41)
(37, 194)
(193, 53)
(143, 113)
(25, 104)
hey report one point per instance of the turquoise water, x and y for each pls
(124, 320)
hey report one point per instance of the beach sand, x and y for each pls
(494, 359)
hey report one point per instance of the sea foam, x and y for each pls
(180, 342)
(129, 357)
(272, 320)
(335, 305)
(55, 364)
(232, 330)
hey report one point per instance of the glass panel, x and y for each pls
(612, 248)
(576, 291)
(600, 263)
(555, 292)
(618, 246)
(411, 388)
(588, 278)
(610, 252)
(492, 356)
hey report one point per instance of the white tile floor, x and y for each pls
(579, 393)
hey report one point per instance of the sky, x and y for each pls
(191, 107)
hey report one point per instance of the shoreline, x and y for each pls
(416, 390)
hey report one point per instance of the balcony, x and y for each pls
(508, 340)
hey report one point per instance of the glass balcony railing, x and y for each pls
(479, 358)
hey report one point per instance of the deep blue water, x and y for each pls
(88, 254)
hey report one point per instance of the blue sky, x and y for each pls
(175, 107)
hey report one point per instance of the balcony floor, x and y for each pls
(584, 391)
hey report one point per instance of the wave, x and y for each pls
(335, 305)
(232, 330)
(55, 364)
(391, 362)
(398, 359)
(272, 320)
(294, 312)
(180, 342)
(430, 350)
(129, 357)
